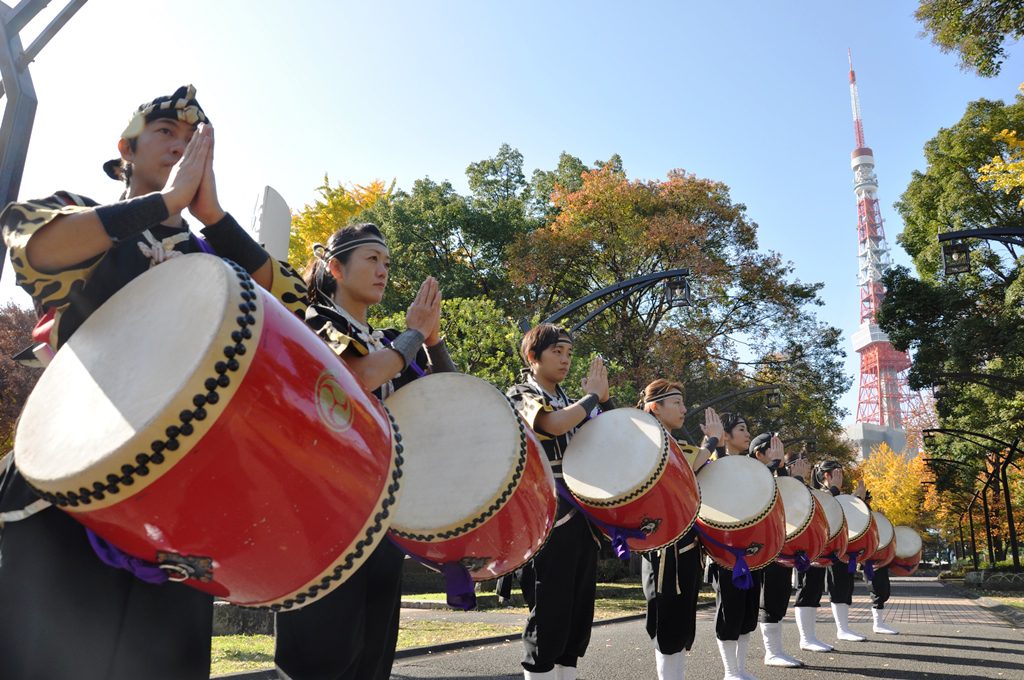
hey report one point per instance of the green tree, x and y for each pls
(974, 29)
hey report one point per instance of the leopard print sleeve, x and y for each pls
(288, 287)
(19, 221)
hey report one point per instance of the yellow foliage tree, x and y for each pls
(1006, 172)
(895, 485)
(334, 209)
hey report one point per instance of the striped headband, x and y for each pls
(662, 397)
(321, 252)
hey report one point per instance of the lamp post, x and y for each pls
(965, 435)
(956, 255)
(772, 389)
(984, 501)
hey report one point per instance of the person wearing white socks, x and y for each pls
(736, 609)
(778, 578)
(671, 576)
(878, 587)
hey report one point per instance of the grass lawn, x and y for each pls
(1011, 598)
(235, 653)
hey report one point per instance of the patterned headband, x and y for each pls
(325, 256)
(181, 105)
(663, 397)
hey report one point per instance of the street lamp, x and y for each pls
(677, 292)
(773, 400)
(956, 258)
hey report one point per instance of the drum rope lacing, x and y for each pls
(618, 535)
(741, 576)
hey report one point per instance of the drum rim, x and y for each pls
(774, 557)
(743, 524)
(892, 539)
(842, 525)
(912, 530)
(164, 452)
(637, 491)
(867, 527)
(496, 503)
(810, 516)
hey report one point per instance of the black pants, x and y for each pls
(350, 633)
(878, 587)
(64, 614)
(810, 585)
(775, 592)
(840, 584)
(672, 607)
(736, 612)
(561, 597)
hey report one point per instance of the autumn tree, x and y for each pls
(894, 481)
(974, 29)
(336, 207)
(16, 380)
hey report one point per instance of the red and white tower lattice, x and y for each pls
(884, 398)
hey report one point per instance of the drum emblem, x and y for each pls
(332, 403)
(649, 526)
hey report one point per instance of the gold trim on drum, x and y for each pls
(197, 407)
(357, 552)
(496, 503)
(640, 490)
(867, 528)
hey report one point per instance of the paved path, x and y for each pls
(944, 636)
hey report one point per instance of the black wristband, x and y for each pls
(231, 241)
(710, 443)
(588, 402)
(607, 405)
(127, 218)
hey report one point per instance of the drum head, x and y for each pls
(798, 503)
(833, 511)
(908, 542)
(105, 396)
(736, 491)
(464, 450)
(858, 517)
(615, 454)
(885, 529)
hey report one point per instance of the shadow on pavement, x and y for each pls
(931, 658)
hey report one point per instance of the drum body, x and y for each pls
(740, 508)
(193, 421)
(908, 551)
(837, 530)
(628, 471)
(886, 550)
(806, 524)
(477, 487)
(861, 531)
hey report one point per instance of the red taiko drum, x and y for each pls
(477, 488)
(806, 524)
(886, 550)
(862, 534)
(628, 472)
(908, 551)
(194, 422)
(740, 508)
(837, 531)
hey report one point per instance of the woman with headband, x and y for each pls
(672, 576)
(351, 633)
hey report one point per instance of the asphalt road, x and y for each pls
(943, 637)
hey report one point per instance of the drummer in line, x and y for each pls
(63, 612)
(351, 633)
(559, 584)
(811, 583)
(736, 609)
(777, 583)
(671, 576)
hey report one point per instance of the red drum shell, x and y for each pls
(864, 542)
(811, 541)
(505, 531)
(274, 496)
(762, 536)
(666, 505)
(886, 551)
(905, 567)
(836, 544)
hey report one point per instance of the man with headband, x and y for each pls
(559, 584)
(65, 613)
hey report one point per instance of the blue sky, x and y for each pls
(753, 94)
